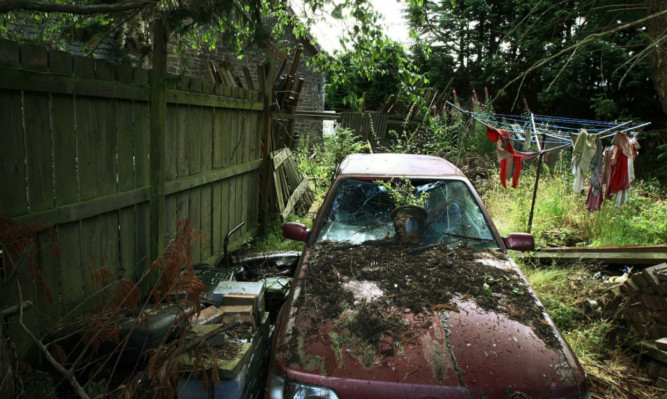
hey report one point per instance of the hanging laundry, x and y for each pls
(594, 198)
(618, 178)
(619, 166)
(526, 142)
(510, 159)
(585, 146)
(621, 197)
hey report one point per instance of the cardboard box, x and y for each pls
(240, 287)
(245, 300)
(244, 314)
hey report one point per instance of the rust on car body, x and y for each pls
(458, 350)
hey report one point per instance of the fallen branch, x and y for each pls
(612, 381)
(68, 374)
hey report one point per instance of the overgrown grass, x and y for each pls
(273, 240)
(613, 371)
(561, 217)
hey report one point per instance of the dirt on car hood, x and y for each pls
(394, 320)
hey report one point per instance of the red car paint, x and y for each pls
(469, 353)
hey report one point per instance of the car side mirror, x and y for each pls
(296, 231)
(520, 241)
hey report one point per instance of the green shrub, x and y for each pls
(450, 135)
(318, 161)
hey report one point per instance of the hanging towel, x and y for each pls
(507, 156)
(628, 148)
(584, 150)
(619, 177)
(594, 198)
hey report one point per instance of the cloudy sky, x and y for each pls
(328, 32)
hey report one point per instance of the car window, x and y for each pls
(361, 211)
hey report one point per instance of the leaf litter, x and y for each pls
(422, 281)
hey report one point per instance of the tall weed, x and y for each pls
(449, 135)
(319, 160)
(564, 293)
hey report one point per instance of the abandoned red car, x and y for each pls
(430, 306)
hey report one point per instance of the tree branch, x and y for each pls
(581, 43)
(30, 5)
(68, 374)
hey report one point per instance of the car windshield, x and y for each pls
(361, 212)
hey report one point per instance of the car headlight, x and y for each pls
(286, 389)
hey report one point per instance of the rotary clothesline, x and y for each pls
(554, 133)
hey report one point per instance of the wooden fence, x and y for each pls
(75, 156)
(370, 126)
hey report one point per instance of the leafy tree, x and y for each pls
(581, 59)
(346, 88)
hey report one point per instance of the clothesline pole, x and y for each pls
(540, 161)
(537, 140)
(613, 128)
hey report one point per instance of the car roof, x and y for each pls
(397, 165)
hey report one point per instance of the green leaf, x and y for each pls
(337, 12)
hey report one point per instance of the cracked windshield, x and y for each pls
(361, 212)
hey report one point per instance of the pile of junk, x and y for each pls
(222, 349)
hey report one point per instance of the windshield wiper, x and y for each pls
(370, 243)
(440, 242)
(469, 238)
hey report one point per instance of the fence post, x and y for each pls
(265, 85)
(158, 113)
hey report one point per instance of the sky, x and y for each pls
(328, 32)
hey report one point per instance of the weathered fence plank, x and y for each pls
(126, 181)
(194, 139)
(47, 262)
(38, 151)
(71, 268)
(206, 190)
(236, 137)
(64, 150)
(216, 195)
(180, 156)
(158, 111)
(13, 200)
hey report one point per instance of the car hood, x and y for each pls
(453, 349)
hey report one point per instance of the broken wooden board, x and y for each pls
(629, 255)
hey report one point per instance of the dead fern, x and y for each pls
(101, 344)
(177, 277)
(128, 294)
(14, 238)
